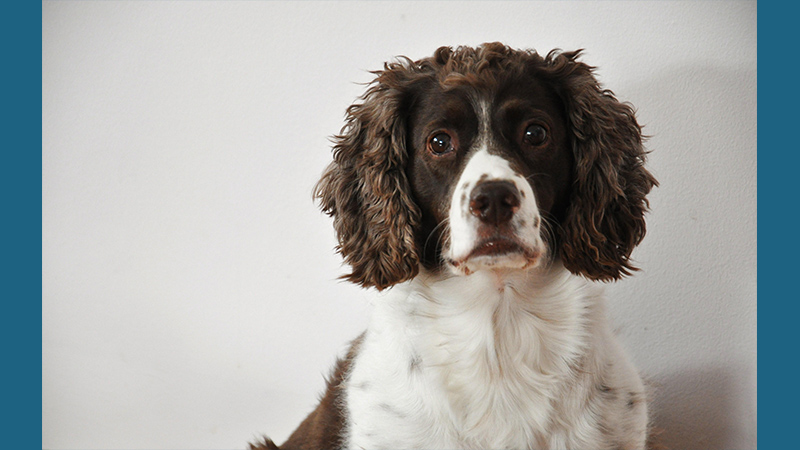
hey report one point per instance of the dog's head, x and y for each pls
(486, 158)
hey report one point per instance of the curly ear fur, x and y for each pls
(365, 189)
(605, 217)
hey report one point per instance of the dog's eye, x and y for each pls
(440, 143)
(535, 135)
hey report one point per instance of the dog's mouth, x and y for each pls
(497, 252)
(496, 247)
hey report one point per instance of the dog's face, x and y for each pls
(486, 167)
(487, 158)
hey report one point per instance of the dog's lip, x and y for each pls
(498, 246)
(497, 251)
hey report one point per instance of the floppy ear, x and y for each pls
(605, 218)
(365, 188)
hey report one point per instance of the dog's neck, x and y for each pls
(525, 312)
(489, 340)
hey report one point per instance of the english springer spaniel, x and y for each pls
(484, 191)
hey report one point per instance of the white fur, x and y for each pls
(496, 359)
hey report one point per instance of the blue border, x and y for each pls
(778, 176)
(22, 220)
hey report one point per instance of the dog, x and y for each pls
(484, 192)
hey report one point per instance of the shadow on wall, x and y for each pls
(696, 410)
(698, 116)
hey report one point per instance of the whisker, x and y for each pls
(549, 229)
(538, 174)
(433, 232)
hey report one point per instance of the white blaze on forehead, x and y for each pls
(484, 120)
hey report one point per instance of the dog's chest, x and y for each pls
(460, 367)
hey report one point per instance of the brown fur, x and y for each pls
(605, 220)
(322, 429)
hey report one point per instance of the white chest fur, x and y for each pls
(485, 361)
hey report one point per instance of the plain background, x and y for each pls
(190, 292)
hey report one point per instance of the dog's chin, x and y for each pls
(497, 254)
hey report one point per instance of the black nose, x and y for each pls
(494, 202)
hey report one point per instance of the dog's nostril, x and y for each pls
(494, 202)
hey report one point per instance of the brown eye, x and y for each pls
(440, 144)
(535, 135)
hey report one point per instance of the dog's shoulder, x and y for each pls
(324, 426)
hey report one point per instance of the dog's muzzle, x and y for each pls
(493, 218)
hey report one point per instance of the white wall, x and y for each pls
(189, 285)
